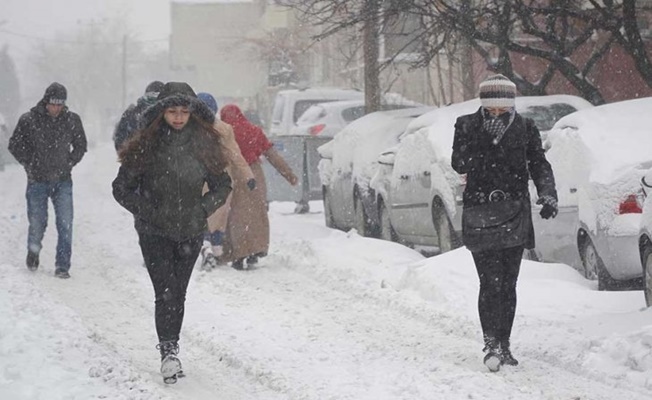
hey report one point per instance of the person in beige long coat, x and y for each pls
(241, 176)
(247, 230)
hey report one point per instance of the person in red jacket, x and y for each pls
(247, 230)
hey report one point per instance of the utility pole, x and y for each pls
(370, 51)
(124, 72)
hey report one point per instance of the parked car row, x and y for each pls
(388, 175)
(401, 187)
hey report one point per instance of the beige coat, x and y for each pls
(237, 168)
(247, 231)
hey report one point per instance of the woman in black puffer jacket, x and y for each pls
(164, 168)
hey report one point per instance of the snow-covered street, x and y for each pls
(327, 315)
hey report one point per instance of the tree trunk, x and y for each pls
(370, 51)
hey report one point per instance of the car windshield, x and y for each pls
(545, 116)
(311, 115)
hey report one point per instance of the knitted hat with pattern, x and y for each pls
(497, 91)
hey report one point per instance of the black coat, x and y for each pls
(48, 147)
(506, 166)
(131, 120)
(166, 197)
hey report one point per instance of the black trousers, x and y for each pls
(170, 264)
(498, 272)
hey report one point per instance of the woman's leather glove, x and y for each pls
(549, 209)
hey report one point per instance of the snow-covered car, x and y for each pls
(599, 156)
(645, 238)
(419, 194)
(348, 163)
(326, 119)
(289, 105)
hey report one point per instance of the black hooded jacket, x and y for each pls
(166, 196)
(506, 166)
(48, 147)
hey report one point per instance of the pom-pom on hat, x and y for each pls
(497, 91)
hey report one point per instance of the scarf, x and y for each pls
(497, 126)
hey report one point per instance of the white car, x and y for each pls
(348, 163)
(598, 156)
(645, 238)
(326, 119)
(419, 194)
(289, 105)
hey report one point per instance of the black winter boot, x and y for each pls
(492, 358)
(32, 261)
(170, 364)
(238, 264)
(506, 355)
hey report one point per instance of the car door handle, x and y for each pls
(404, 177)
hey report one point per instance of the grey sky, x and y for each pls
(148, 19)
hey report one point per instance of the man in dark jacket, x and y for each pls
(48, 141)
(499, 151)
(130, 120)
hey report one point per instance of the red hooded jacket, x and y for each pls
(251, 139)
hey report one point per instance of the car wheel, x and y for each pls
(594, 268)
(647, 274)
(446, 237)
(328, 214)
(360, 218)
(387, 232)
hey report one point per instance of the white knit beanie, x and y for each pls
(497, 91)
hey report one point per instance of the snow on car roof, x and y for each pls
(443, 119)
(617, 136)
(362, 140)
(470, 106)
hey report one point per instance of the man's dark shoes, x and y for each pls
(238, 264)
(61, 274)
(253, 259)
(506, 355)
(32, 261)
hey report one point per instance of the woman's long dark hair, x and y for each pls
(136, 153)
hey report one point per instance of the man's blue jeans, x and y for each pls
(37, 213)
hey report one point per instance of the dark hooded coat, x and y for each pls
(130, 121)
(506, 166)
(165, 195)
(48, 147)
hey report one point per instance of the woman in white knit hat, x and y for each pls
(499, 151)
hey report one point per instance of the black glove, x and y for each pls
(549, 209)
(251, 184)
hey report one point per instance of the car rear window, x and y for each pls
(311, 115)
(302, 105)
(352, 113)
(545, 116)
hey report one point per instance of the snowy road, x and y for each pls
(328, 315)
